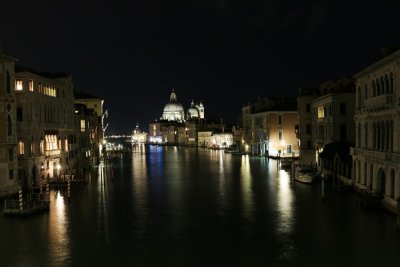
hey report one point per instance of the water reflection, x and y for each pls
(102, 201)
(285, 219)
(140, 190)
(246, 190)
(285, 203)
(222, 194)
(59, 229)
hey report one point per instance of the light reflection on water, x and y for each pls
(285, 203)
(246, 190)
(59, 235)
(140, 190)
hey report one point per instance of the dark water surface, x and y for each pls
(169, 206)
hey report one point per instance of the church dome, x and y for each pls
(173, 110)
(193, 112)
(173, 107)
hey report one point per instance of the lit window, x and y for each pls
(31, 85)
(41, 147)
(66, 145)
(59, 144)
(321, 112)
(21, 148)
(18, 85)
(82, 125)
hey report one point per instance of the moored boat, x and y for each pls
(305, 174)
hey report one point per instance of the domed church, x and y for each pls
(173, 110)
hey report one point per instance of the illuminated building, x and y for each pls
(173, 128)
(376, 157)
(138, 137)
(45, 124)
(268, 127)
(8, 133)
(221, 140)
(173, 110)
(204, 138)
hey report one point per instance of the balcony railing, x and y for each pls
(52, 153)
(378, 102)
(377, 155)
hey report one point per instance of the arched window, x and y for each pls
(373, 89)
(386, 84)
(366, 136)
(365, 91)
(365, 174)
(382, 86)
(371, 176)
(378, 87)
(359, 135)
(374, 135)
(391, 183)
(9, 126)
(359, 97)
(8, 82)
(391, 82)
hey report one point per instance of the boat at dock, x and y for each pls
(305, 174)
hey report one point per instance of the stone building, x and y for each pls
(376, 157)
(333, 123)
(269, 127)
(9, 179)
(45, 124)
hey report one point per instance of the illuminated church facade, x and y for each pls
(174, 111)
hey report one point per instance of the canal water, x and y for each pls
(169, 206)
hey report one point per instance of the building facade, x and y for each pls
(45, 125)
(333, 122)
(268, 127)
(9, 179)
(376, 157)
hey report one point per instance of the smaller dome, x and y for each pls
(193, 112)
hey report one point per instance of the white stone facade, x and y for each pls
(376, 158)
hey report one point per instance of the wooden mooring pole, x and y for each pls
(21, 199)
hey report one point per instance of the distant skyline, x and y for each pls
(223, 53)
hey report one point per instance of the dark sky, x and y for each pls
(224, 53)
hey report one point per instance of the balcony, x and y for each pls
(52, 153)
(379, 102)
(376, 155)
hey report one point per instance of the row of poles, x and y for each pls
(21, 196)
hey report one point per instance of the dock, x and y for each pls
(37, 203)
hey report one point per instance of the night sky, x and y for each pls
(224, 53)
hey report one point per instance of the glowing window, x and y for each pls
(82, 125)
(321, 112)
(41, 147)
(31, 85)
(21, 148)
(18, 85)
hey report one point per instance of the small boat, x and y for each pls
(305, 174)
